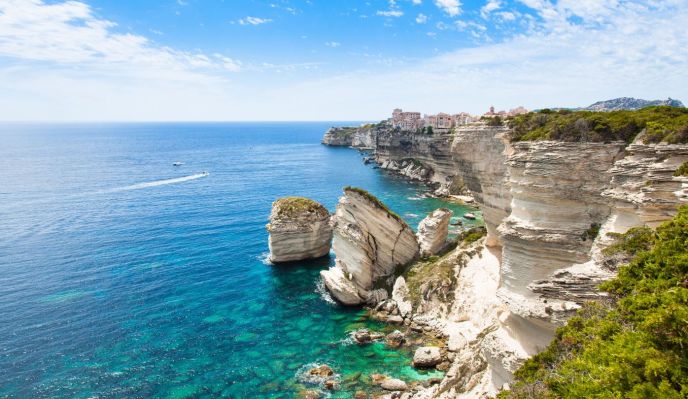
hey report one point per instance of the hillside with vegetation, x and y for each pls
(636, 344)
(658, 124)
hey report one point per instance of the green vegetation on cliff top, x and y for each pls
(662, 124)
(370, 197)
(298, 206)
(682, 170)
(636, 344)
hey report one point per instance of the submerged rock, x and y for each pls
(395, 339)
(321, 371)
(433, 231)
(370, 243)
(365, 336)
(427, 356)
(299, 229)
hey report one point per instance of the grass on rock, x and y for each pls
(298, 206)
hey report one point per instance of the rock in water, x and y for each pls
(393, 384)
(427, 356)
(299, 229)
(433, 231)
(370, 243)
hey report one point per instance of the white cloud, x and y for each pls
(333, 44)
(450, 7)
(491, 5)
(421, 19)
(390, 13)
(637, 52)
(70, 33)
(507, 15)
(58, 61)
(253, 21)
(417, 2)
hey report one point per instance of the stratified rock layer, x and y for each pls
(370, 244)
(433, 231)
(299, 229)
(548, 207)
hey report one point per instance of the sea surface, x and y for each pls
(123, 276)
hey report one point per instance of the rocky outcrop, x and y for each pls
(363, 137)
(433, 231)
(339, 136)
(299, 229)
(370, 244)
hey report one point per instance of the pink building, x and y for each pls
(462, 118)
(406, 120)
(439, 121)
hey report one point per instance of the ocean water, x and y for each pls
(122, 276)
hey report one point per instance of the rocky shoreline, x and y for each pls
(547, 207)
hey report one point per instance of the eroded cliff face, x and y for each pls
(428, 155)
(543, 258)
(548, 207)
(370, 244)
(480, 153)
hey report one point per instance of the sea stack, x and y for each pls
(433, 231)
(299, 229)
(370, 243)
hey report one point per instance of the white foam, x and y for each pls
(264, 258)
(324, 293)
(156, 183)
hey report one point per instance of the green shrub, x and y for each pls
(682, 170)
(472, 235)
(494, 121)
(662, 124)
(635, 345)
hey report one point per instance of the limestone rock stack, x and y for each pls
(433, 231)
(370, 244)
(299, 229)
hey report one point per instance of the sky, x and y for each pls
(285, 60)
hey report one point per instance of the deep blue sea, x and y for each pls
(122, 276)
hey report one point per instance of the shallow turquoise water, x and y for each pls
(122, 276)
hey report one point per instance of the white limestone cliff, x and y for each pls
(547, 207)
(370, 244)
(299, 229)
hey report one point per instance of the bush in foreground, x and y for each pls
(634, 346)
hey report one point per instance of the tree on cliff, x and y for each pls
(635, 345)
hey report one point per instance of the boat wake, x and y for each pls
(157, 183)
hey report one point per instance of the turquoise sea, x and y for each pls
(122, 276)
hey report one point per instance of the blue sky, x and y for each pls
(331, 60)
